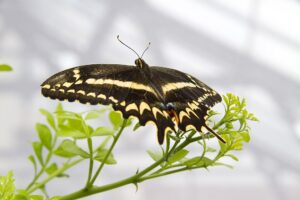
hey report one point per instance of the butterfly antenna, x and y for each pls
(215, 134)
(146, 49)
(118, 37)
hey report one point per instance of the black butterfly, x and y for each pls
(164, 96)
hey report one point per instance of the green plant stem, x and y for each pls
(116, 138)
(95, 189)
(137, 178)
(42, 170)
(131, 180)
(54, 174)
(167, 173)
(91, 165)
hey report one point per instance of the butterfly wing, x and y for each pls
(122, 86)
(189, 97)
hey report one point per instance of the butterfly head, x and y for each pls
(140, 63)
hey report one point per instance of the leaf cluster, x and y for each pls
(233, 127)
(7, 187)
(59, 147)
(60, 138)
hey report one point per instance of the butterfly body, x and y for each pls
(166, 97)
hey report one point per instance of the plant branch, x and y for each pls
(42, 170)
(54, 174)
(107, 154)
(91, 165)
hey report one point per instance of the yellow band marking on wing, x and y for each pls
(193, 106)
(76, 73)
(113, 99)
(123, 84)
(167, 129)
(131, 106)
(78, 82)
(144, 106)
(67, 84)
(91, 94)
(101, 96)
(175, 86)
(46, 86)
(190, 127)
(155, 111)
(183, 114)
(188, 110)
(123, 103)
(71, 91)
(81, 92)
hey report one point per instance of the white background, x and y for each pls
(249, 47)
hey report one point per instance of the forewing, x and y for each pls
(120, 85)
(88, 84)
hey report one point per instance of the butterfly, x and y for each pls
(166, 97)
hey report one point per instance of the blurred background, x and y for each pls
(249, 47)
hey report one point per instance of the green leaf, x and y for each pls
(157, 155)
(49, 117)
(52, 168)
(38, 150)
(198, 161)
(69, 131)
(178, 156)
(210, 149)
(32, 160)
(55, 198)
(59, 108)
(222, 164)
(101, 154)
(232, 156)
(44, 135)
(136, 126)
(68, 115)
(116, 119)
(103, 131)
(237, 146)
(69, 149)
(92, 115)
(246, 136)
(36, 197)
(4, 67)
(7, 187)
(129, 121)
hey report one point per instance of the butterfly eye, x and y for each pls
(136, 62)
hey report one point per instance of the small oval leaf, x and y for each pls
(69, 149)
